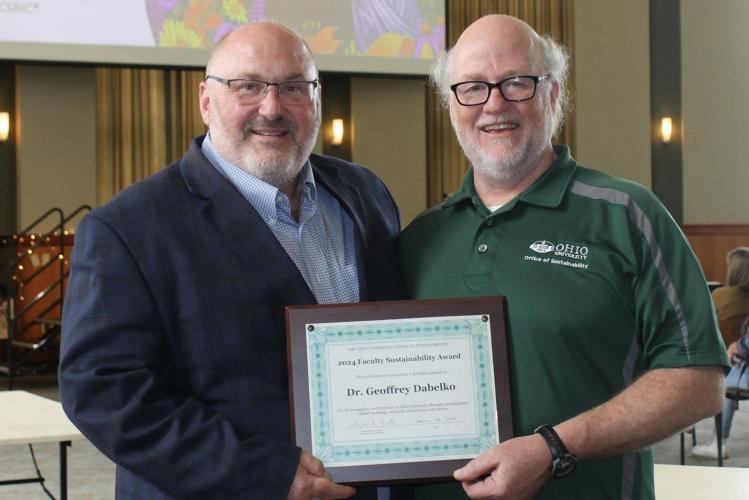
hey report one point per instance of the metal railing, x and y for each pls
(34, 324)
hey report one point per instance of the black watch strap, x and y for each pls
(562, 461)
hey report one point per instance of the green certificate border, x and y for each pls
(476, 328)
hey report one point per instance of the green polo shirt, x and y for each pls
(601, 286)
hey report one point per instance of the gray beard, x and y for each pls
(512, 168)
(280, 170)
(506, 171)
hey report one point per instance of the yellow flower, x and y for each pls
(234, 11)
(176, 34)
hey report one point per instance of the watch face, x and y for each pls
(563, 466)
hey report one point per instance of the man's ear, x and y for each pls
(554, 94)
(205, 102)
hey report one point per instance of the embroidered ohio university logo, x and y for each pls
(542, 246)
(564, 254)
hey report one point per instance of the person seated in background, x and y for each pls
(731, 306)
(732, 301)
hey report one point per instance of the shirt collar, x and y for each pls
(547, 191)
(265, 198)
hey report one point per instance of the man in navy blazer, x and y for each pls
(173, 358)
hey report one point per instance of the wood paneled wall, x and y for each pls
(712, 242)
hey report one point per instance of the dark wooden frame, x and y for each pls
(297, 317)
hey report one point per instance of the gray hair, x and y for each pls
(555, 60)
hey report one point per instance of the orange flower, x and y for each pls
(324, 42)
(392, 45)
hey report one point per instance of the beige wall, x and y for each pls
(612, 76)
(715, 110)
(57, 144)
(56, 141)
(612, 100)
(390, 137)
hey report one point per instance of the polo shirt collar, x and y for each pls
(547, 191)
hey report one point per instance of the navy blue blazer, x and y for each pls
(173, 356)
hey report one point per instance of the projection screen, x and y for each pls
(360, 36)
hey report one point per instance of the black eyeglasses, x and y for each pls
(514, 89)
(292, 91)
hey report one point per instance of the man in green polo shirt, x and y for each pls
(612, 336)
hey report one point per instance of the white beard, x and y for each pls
(276, 167)
(513, 166)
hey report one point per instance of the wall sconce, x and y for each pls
(666, 130)
(337, 138)
(4, 125)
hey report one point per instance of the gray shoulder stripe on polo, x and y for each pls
(641, 222)
(629, 459)
(629, 468)
(628, 369)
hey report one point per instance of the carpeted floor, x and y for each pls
(91, 474)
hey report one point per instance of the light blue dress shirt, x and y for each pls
(321, 243)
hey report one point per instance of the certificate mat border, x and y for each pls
(475, 329)
(297, 317)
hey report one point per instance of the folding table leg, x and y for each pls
(64, 469)
(719, 435)
(681, 437)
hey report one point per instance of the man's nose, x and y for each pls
(270, 105)
(496, 101)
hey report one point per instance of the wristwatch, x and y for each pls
(562, 461)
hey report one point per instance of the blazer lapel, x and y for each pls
(242, 229)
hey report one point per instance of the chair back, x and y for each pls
(730, 329)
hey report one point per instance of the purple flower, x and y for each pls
(222, 30)
(258, 10)
(157, 10)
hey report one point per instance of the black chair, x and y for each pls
(718, 434)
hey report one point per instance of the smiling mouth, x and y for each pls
(270, 133)
(496, 128)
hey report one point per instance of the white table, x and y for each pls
(690, 482)
(27, 418)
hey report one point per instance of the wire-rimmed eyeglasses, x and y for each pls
(247, 90)
(514, 89)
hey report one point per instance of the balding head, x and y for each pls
(509, 34)
(270, 133)
(495, 36)
(260, 40)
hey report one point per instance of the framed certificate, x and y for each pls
(400, 391)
